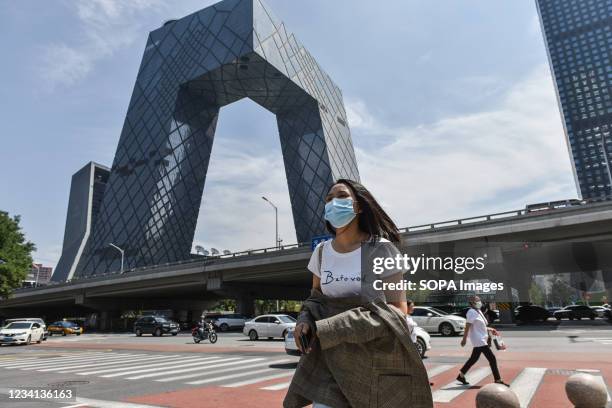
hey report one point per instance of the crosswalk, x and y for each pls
(601, 340)
(219, 370)
(265, 373)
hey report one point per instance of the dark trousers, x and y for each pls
(476, 352)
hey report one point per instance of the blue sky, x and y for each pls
(451, 107)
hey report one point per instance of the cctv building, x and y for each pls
(578, 38)
(192, 67)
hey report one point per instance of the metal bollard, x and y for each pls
(586, 391)
(496, 396)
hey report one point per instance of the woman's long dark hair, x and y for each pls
(372, 218)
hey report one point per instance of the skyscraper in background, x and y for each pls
(578, 38)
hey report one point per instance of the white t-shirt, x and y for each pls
(412, 325)
(341, 271)
(478, 331)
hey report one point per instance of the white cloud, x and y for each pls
(500, 159)
(48, 255)
(469, 165)
(105, 27)
(232, 214)
(64, 65)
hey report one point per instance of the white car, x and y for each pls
(21, 333)
(31, 319)
(434, 320)
(226, 321)
(270, 326)
(422, 344)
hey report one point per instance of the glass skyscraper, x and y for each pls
(191, 68)
(578, 38)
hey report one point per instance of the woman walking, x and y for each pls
(347, 340)
(480, 337)
(411, 323)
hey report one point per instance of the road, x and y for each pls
(125, 371)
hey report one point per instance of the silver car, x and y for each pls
(270, 326)
(423, 343)
(434, 320)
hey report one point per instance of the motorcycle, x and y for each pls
(204, 331)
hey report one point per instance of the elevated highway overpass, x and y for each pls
(281, 273)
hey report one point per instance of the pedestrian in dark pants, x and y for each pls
(476, 328)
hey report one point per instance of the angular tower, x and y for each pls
(190, 69)
(86, 192)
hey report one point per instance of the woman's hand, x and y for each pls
(493, 331)
(463, 342)
(303, 329)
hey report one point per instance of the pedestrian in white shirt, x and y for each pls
(476, 328)
(411, 323)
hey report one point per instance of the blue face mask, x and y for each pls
(339, 212)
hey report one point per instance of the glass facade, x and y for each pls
(190, 69)
(86, 195)
(578, 36)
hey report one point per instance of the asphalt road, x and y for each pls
(125, 371)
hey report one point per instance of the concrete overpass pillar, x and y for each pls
(104, 321)
(506, 315)
(246, 305)
(195, 315)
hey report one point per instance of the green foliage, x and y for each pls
(536, 295)
(15, 254)
(225, 305)
(419, 297)
(269, 305)
(560, 292)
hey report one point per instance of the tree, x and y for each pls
(536, 295)
(15, 254)
(225, 305)
(560, 292)
(418, 296)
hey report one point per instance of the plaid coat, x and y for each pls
(363, 358)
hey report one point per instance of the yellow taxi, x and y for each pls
(64, 328)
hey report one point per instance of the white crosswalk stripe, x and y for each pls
(243, 374)
(234, 371)
(50, 364)
(602, 340)
(526, 384)
(185, 367)
(276, 387)
(223, 370)
(259, 379)
(231, 376)
(131, 366)
(437, 370)
(453, 389)
(104, 362)
(33, 361)
(225, 363)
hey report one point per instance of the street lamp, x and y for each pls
(37, 273)
(276, 244)
(122, 254)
